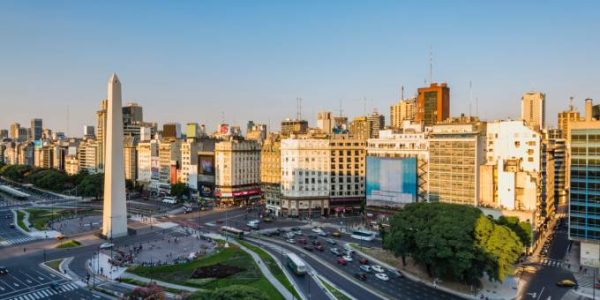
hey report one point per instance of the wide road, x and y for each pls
(8, 235)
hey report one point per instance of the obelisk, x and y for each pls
(114, 215)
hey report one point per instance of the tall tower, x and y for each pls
(114, 220)
(433, 104)
(533, 109)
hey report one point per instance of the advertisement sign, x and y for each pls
(391, 182)
(206, 189)
(206, 164)
(154, 168)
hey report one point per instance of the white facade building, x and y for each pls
(189, 164)
(237, 178)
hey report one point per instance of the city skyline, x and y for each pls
(190, 62)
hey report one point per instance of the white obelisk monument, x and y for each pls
(114, 215)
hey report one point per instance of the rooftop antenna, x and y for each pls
(470, 96)
(341, 110)
(298, 108)
(67, 133)
(430, 64)
(571, 103)
(402, 93)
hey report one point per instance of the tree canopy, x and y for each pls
(522, 229)
(179, 190)
(453, 241)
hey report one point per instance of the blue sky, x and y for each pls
(191, 60)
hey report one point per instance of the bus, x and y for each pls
(296, 264)
(364, 235)
(232, 231)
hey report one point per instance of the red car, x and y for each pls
(301, 240)
(320, 247)
(597, 285)
(364, 261)
(342, 261)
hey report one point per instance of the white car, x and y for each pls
(377, 268)
(347, 258)
(382, 276)
(365, 268)
(317, 230)
(291, 241)
(106, 245)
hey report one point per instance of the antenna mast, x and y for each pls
(571, 103)
(430, 64)
(402, 93)
(470, 96)
(298, 108)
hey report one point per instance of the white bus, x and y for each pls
(296, 264)
(232, 231)
(169, 200)
(364, 235)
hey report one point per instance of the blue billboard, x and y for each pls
(391, 182)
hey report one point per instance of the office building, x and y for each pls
(36, 129)
(347, 174)
(289, 126)
(376, 123)
(71, 164)
(404, 110)
(258, 132)
(360, 128)
(189, 163)
(14, 131)
(87, 156)
(130, 157)
(192, 131)
(433, 104)
(237, 164)
(169, 159)
(101, 134)
(456, 149)
(132, 114)
(89, 132)
(325, 121)
(533, 110)
(3, 134)
(565, 118)
(171, 131)
(584, 194)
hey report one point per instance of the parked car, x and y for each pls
(347, 257)
(316, 242)
(301, 240)
(11, 225)
(336, 251)
(382, 276)
(322, 233)
(3, 270)
(364, 261)
(320, 247)
(365, 268)
(317, 230)
(342, 261)
(377, 268)
(361, 276)
(336, 234)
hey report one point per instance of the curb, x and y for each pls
(331, 296)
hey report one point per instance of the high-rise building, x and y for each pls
(132, 114)
(325, 121)
(533, 110)
(270, 172)
(404, 110)
(596, 112)
(584, 193)
(87, 156)
(192, 131)
(130, 157)
(101, 134)
(14, 131)
(340, 124)
(189, 163)
(88, 131)
(376, 123)
(433, 104)
(171, 131)
(456, 149)
(565, 118)
(347, 174)
(289, 126)
(36, 129)
(169, 153)
(3, 134)
(360, 128)
(557, 145)
(258, 132)
(147, 163)
(237, 164)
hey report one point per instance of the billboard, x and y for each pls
(206, 164)
(391, 182)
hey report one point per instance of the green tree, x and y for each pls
(179, 189)
(92, 186)
(522, 229)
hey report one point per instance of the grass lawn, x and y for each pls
(273, 267)
(54, 264)
(234, 256)
(20, 218)
(39, 218)
(337, 294)
(69, 244)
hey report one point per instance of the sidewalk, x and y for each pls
(34, 233)
(583, 275)
(158, 282)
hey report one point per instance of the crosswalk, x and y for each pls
(551, 262)
(46, 292)
(584, 280)
(16, 241)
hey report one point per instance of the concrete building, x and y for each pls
(189, 163)
(89, 131)
(404, 110)
(3, 134)
(36, 129)
(114, 212)
(71, 165)
(325, 121)
(270, 173)
(347, 174)
(132, 114)
(14, 131)
(360, 128)
(171, 131)
(456, 149)
(557, 147)
(192, 131)
(237, 164)
(584, 194)
(169, 159)
(305, 167)
(289, 126)
(565, 118)
(87, 156)
(376, 123)
(101, 116)
(147, 154)
(533, 110)
(130, 157)
(258, 132)
(433, 104)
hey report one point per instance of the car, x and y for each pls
(301, 240)
(61, 237)
(315, 242)
(322, 233)
(349, 252)
(291, 241)
(335, 251)
(382, 276)
(566, 283)
(313, 236)
(377, 268)
(267, 220)
(317, 230)
(347, 257)
(308, 247)
(396, 273)
(365, 268)
(11, 225)
(336, 234)
(361, 276)
(597, 285)
(364, 261)
(320, 247)
(106, 245)
(330, 241)
(3, 270)
(342, 261)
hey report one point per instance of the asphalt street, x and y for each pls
(8, 235)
